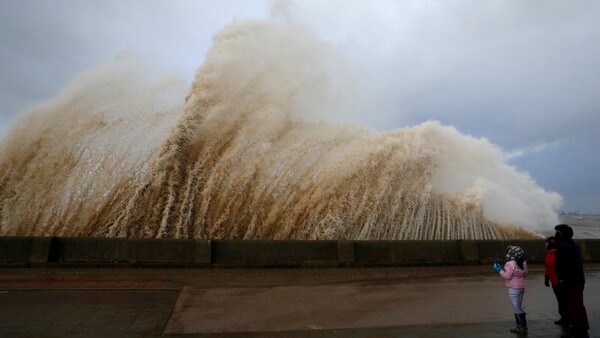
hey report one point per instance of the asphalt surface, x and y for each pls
(457, 301)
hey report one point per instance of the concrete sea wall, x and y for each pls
(129, 252)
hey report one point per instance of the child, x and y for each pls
(514, 273)
(550, 277)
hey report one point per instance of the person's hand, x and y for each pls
(546, 281)
(497, 267)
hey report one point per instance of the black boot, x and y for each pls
(523, 318)
(519, 328)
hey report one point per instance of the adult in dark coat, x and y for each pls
(569, 268)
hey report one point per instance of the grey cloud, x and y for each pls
(46, 43)
(520, 73)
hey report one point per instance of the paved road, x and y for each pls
(458, 301)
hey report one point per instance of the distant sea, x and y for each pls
(584, 226)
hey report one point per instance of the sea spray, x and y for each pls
(246, 156)
(65, 164)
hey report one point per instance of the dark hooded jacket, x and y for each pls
(569, 263)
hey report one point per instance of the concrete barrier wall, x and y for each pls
(274, 253)
(494, 251)
(406, 252)
(24, 250)
(135, 251)
(88, 251)
(589, 249)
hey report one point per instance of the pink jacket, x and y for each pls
(514, 276)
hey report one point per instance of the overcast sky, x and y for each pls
(523, 74)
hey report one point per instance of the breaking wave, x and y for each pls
(124, 153)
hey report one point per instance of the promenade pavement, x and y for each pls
(447, 301)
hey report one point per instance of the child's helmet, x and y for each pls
(514, 253)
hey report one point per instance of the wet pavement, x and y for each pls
(456, 301)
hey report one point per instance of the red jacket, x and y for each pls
(550, 263)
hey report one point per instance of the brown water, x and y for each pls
(120, 154)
